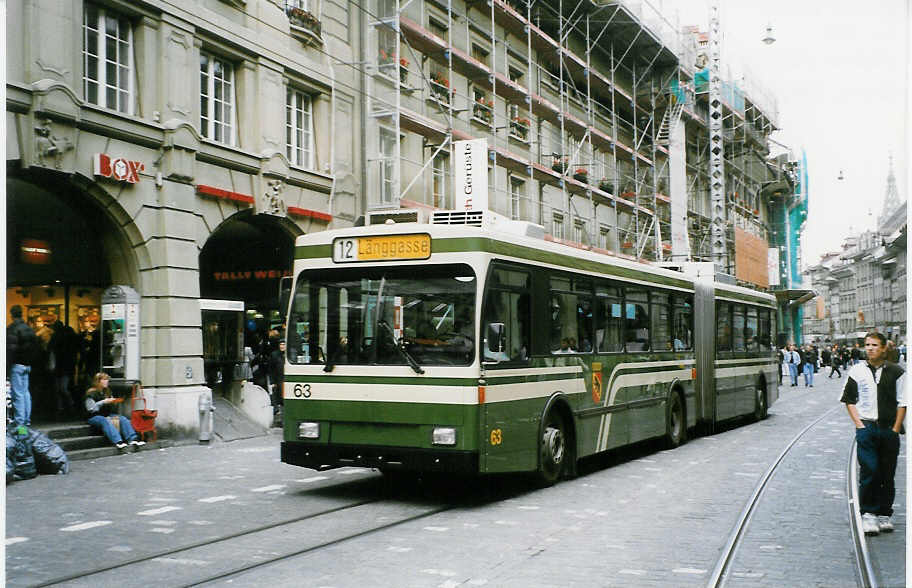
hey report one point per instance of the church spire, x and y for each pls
(891, 200)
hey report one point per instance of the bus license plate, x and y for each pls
(385, 248)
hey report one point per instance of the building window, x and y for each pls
(516, 75)
(604, 233)
(439, 181)
(579, 231)
(557, 226)
(387, 165)
(480, 54)
(299, 128)
(517, 198)
(439, 29)
(217, 112)
(107, 53)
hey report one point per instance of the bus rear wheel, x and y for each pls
(552, 449)
(760, 404)
(676, 428)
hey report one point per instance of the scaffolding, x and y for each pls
(579, 102)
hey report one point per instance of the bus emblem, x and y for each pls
(596, 386)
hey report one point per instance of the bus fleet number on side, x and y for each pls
(302, 390)
(496, 436)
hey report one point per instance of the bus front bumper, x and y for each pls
(327, 457)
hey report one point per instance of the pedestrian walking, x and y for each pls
(835, 355)
(21, 353)
(855, 354)
(99, 404)
(874, 395)
(783, 362)
(808, 358)
(826, 358)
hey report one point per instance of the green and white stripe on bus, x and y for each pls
(628, 375)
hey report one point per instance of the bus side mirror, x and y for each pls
(495, 337)
(284, 293)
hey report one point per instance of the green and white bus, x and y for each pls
(471, 344)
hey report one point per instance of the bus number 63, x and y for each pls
(302, 390)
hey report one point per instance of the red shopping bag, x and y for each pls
(142, 419)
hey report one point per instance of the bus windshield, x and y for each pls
(416, 316)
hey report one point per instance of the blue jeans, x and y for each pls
(19, 391)
(793, 373)
(808, 374)
(126, 432)
(878, 448)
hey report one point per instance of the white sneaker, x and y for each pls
(121, 446)
(884, 524)
(137, 442)
(869, 524)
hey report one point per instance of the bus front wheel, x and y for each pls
(553, 449)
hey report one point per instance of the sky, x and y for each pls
(839, 71)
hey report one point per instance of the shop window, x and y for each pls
(299, 128)
(107, 52)
(217, 102)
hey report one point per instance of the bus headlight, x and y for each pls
(444, 436)
(308, 430)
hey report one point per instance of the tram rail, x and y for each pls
(247, 533)
(865, 571)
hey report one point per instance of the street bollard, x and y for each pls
(206, 408)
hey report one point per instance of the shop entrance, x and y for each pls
(61, 251)
(244, 260)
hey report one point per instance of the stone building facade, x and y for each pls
(177, 149)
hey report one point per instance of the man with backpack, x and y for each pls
(21, 345)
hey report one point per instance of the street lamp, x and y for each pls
(769, 39)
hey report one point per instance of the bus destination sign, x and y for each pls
(383, 248)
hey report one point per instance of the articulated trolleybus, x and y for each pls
(470, 344)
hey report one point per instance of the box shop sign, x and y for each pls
(117, 168)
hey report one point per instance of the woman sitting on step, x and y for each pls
(99, 403)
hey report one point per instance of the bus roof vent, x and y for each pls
(400, 215)
(487, 219)
(473, 218)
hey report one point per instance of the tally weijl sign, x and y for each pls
(117, 168)
(470, 174)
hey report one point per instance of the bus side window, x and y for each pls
(636, 315)
(723, 326)
(683, 322)
(738, 327)
(505, 328)
(609, 330)
(750, 329)
(661, 321)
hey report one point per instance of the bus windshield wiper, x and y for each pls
(401, 349)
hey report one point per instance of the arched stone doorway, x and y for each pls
(244, 260)
(63, 251)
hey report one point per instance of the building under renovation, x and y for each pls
(606, 123)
